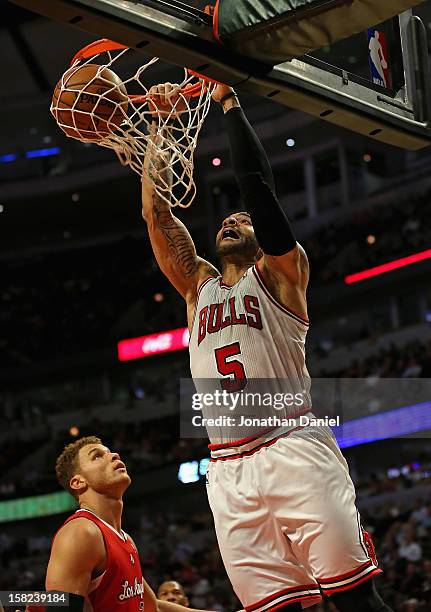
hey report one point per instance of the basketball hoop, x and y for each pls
(133, 124)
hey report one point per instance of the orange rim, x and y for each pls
(215, 22)
(104, 45)
(98, 46)
(204, 77)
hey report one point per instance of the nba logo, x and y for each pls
(378, 58)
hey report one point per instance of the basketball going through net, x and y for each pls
(92, 104)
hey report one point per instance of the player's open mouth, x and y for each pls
(120, 466)
(231, 234)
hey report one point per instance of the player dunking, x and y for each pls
(92, 559)
(283, 502)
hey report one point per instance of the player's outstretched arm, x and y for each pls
(172, 244)
(77, 551)
(167, 606)
(283, 256)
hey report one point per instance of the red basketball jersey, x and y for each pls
(121, 586)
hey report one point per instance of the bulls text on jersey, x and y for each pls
(243, 310)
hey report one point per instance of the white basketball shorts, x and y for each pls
(286, 521)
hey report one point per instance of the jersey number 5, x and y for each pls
(234, 370)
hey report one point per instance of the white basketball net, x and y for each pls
(172, 135)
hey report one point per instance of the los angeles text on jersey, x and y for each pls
(243, 310)
(131, 590)
(272, 421)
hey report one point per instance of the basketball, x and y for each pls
(89, 102)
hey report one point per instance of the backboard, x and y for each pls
(375, 83)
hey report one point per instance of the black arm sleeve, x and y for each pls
(256, 183)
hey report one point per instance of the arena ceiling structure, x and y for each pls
(36, 51)
(244, 45)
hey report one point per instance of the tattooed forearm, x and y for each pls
(172, 244)
(180, 248)
(159, 171)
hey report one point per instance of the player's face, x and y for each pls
(236, 236)
(173, 592)
(103, 470)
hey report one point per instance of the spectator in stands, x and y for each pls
(172, 591)
(426, 584)
(420, 512)
(426, 522)
(409, 548)
(56, 305)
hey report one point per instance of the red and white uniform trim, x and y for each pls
(307, 592)
(271, 521)
(246, 446)
(243, 333)
(343, 582)
(273, 300)
(282, 498)
(120, 588)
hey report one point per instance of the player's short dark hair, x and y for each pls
(171, 580)
(67, 463)
(239, 212)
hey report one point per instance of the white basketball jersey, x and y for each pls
(244, 332)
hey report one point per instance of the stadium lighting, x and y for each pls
(153, 344)
(42, 152)
(216, 161)
(398, 422)
(46, 152)
(188, 472)
(290, 142)
(387, 267)
(25, 508)
(203, 465)
(8, 157)
(192, 471)
(394, 423)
